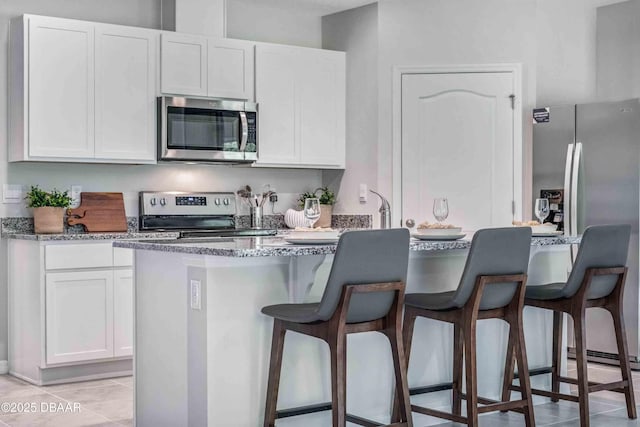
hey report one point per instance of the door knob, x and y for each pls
(410, 223)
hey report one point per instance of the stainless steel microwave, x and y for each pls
(207, 130)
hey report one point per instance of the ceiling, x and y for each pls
(319, 7)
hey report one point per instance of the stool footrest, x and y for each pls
(485, 401)
(439, 414)
(550, 394)
(617, 386)
(502, 406)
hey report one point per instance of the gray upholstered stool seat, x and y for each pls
(300, 313)
(596, 280)
(431, 301)
(364, 292)
(492, 286)
(545, 292)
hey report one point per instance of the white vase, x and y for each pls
(294, 218)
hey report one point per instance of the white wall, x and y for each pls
(356, 32)
(251, 20)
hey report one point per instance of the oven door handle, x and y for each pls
(245, 131)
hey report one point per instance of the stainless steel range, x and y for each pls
(193, 214)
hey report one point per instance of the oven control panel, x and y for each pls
(182, 203)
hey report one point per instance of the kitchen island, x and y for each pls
(202, 345)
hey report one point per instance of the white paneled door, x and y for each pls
(458, 142)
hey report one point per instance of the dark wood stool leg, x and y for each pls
(509, 366)
(556, 362)
(275, 365)
(402, 387)
(407, 337)
(338, 349)
(458, 349)
(581, 362)
(623, 352)
(469, 333)
(517, 332)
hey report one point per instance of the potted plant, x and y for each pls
(48, 209)
(327, 200)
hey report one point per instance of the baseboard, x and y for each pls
(4, 367)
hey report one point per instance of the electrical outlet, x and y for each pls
(75, 195)
(12, 193)
(196, 288)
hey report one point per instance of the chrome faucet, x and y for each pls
(385, 211)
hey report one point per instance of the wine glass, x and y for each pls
(440, 208)
(312, 210)
(542, 209)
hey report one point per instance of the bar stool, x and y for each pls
(364, 292)
(596, 280)
(492, 287)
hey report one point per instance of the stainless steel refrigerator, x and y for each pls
(592, 153)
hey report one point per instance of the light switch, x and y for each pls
(195, 294)
(12, 193)
(363, 193)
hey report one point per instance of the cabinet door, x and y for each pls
(79, 316)
(321, 111)
(123, 312)
(125, 93)
(230, 70)
(276, 87)
(183, 65)
(61, 91)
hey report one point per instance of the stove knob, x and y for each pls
(152, 201)
(217, 202)
(226, 202)
(163, 201)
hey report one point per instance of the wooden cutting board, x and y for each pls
(99, 212)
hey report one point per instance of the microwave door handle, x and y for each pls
(567, 190)
(245, 131)
(574, 189)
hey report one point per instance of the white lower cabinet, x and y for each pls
(80, 320)
(70, 310)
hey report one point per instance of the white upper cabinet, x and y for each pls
(184, 64)
(60, 88)
(205, 66)
(125, 93)
(230, 69)
(301, 96)
(81, 91)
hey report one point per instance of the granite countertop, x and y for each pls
(276, 246)
(26, 235)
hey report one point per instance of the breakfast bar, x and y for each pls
(202, 345)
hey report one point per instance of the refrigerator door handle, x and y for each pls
(567, 191)
(574, 189)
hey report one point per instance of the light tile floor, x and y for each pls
(607, 408)
(97, 403)
(110, 403)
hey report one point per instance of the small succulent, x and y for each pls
(38, 198)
